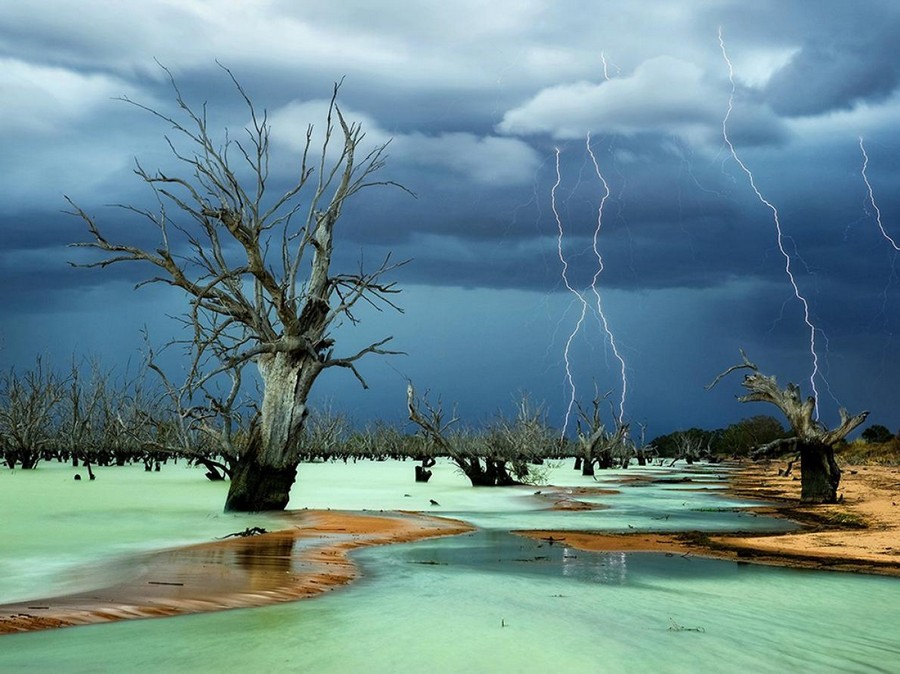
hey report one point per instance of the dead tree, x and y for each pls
(643, 451)
(812, 440)
(29, 413)
(690, 447)
(497, 457)
(324, 434)
(85, 405)
(598, 445)
(256, 269)
(209, 427)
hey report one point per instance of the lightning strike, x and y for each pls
(600, 267)
(584, 305)
(778, 230)
(875, 208)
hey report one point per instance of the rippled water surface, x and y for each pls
(484, 602)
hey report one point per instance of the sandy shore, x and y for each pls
(861, 534)
(306, 559)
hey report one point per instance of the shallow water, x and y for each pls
(487, 601)
(54, 527)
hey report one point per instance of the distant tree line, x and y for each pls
(88, 416)
(736, 440)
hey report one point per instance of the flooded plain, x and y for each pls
(484, 601)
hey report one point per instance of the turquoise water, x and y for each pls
(482, 602)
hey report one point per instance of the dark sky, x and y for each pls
(480, 100)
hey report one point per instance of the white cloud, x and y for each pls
(662, 94)
(44, 100)
(489, 160)
(843, 126)
(482, 159)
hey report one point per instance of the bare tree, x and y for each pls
(690, 446)
(208, 426)
(325, 433)
(256, 269)
(820, 474)
(85, 405)
(643, 451)
(500, 455)
(29, 405)
(597, 444)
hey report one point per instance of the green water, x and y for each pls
(483, 602)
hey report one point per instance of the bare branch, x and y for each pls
(745, 365)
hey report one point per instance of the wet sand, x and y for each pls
(861, 534)
(306, 559)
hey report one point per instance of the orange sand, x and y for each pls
(303, 561)
(871, 498)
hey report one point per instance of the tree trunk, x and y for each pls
(587, 468)
(492, 474)
(264, 474)
(820, 475)
(605, 460)
(577, 465)
(256, 487)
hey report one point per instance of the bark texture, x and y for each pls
(259, 487)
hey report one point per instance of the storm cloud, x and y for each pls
(489, 113)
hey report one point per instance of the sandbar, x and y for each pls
(305, 559)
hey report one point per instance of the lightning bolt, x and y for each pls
(565, 277)
(605, 66)
(888, 238)
(600, 267)
(865, 177)
(585, 307)
(778, 230)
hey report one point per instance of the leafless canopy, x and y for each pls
(254, 265)
(800, 413)
(595, 439)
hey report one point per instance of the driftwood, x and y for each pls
(246, 533)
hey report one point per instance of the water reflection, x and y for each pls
(609, 568)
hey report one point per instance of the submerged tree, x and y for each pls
(599, 445)
(497, 457)
(256, 269)
(812, 440)
(29, 413)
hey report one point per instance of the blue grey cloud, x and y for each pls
(478, 101)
